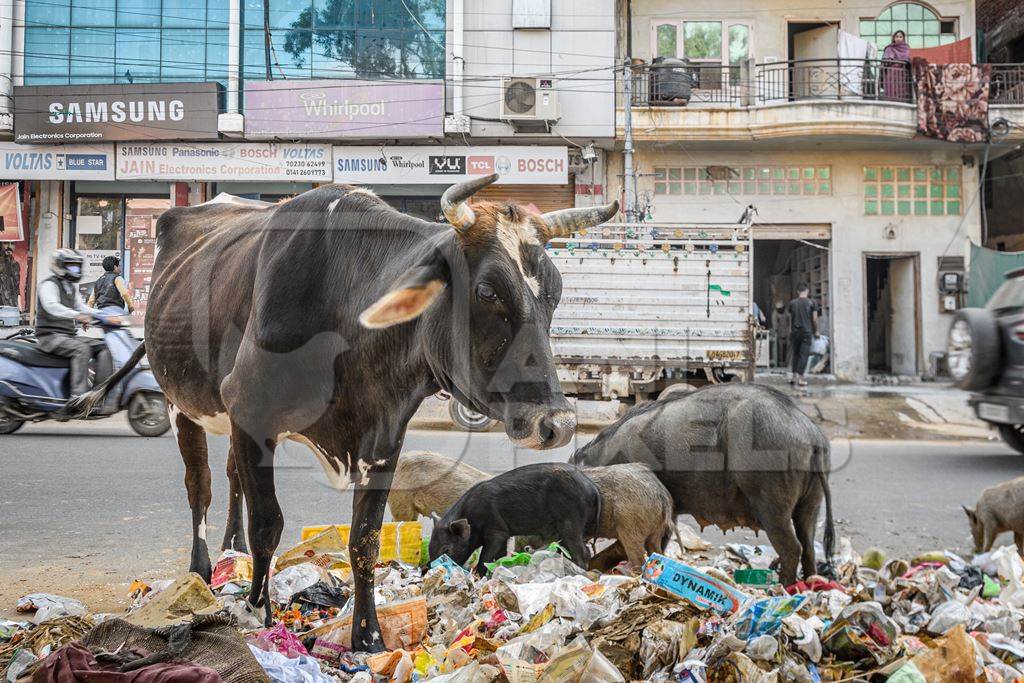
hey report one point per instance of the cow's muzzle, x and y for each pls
(542, 429)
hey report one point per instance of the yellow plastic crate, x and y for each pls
(402, 541)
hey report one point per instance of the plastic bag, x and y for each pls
(765, 616)
(951, 659)
(862, 630)
(803, 636)
(322, 594)
(279, 639)
(283, 669)
(48, 606)
(294, 579)
(948, 615)
(763, 648)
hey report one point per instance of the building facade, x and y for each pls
(782, 113)
(120, 110)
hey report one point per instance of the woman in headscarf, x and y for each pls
(896, 69)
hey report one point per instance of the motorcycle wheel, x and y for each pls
(8, 425)
(147, 414)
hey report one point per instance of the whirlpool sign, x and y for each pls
(94, 113)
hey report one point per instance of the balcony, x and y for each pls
(833, 98)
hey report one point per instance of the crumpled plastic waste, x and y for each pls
(233, 567)
(862, 631)
(279, 639)
(48, 607)
(284, 669)
(293, 579)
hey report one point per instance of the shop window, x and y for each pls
(125, 41)
(913, 191)
(346, 39)
(922, 26)
(743, 180)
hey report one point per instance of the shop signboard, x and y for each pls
(243, 161)
(444, 165)
(94, 113)
(339, 109)
(56, 162)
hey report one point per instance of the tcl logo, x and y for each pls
(479, 165)
(541, 165)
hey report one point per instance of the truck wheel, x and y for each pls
(467, 418)
(974, 349)
(1013, 435)
(147, 414)
(676, 390)
(8, 425)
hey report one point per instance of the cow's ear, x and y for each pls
(417, 289)
(971, 514)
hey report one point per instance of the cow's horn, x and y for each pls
(453, 201)
(564, 222)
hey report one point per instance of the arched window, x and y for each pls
(924, 28)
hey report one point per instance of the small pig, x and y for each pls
(636, 509)
(1000, 508)
(548, 500)
(429, 483)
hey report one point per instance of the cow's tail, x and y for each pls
(829, 537)
(83, 405)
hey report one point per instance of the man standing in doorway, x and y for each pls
(803, 316)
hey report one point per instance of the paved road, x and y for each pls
(84, 509)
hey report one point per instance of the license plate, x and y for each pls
(994, 412)
(725, 355)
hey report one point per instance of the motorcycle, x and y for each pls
(34, 385)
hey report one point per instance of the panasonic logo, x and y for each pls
(138, 111)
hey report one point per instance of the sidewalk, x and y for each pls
(917, 411)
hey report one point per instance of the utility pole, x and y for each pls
(266, 37)
(628, 175)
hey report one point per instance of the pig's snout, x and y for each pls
(543, 430)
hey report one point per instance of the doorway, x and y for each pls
(892, 313)
(780, 266)
(810, 44)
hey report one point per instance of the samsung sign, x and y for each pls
(94, 113)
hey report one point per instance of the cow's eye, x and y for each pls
(486, 292)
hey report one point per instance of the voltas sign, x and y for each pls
(95, 113)
(516, 164)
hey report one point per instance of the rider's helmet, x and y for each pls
(67, 264)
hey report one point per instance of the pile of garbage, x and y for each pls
(694, 614)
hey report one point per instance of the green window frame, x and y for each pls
(807, 180)
(913, 190)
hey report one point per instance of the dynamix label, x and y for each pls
(696, 587)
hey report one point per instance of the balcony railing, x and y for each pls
(799, 80)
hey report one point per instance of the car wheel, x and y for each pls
(8, 425)
(467, 418)
(974, 349)
(147, 414)
(1013, 435)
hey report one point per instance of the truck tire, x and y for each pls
(467, 418)
(974, 349)
(1013, 435)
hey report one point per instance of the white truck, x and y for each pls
(647, 307)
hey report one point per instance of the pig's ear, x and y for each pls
(971, 514)
(460, 528)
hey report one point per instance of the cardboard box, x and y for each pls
(699, 589)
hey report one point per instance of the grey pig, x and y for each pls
(1000, 508)
(732, 455)
(429, 483)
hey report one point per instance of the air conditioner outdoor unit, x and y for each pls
(529, 99)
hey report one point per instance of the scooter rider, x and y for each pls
(60, 308)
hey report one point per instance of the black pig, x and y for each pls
(551, 500)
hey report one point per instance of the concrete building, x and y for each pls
(849, 197)
(123, 109)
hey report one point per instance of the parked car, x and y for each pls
(985, 351)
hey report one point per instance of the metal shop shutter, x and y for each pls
(544, 197)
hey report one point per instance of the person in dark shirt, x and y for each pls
(803, 317)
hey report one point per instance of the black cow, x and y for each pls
(327, 319)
